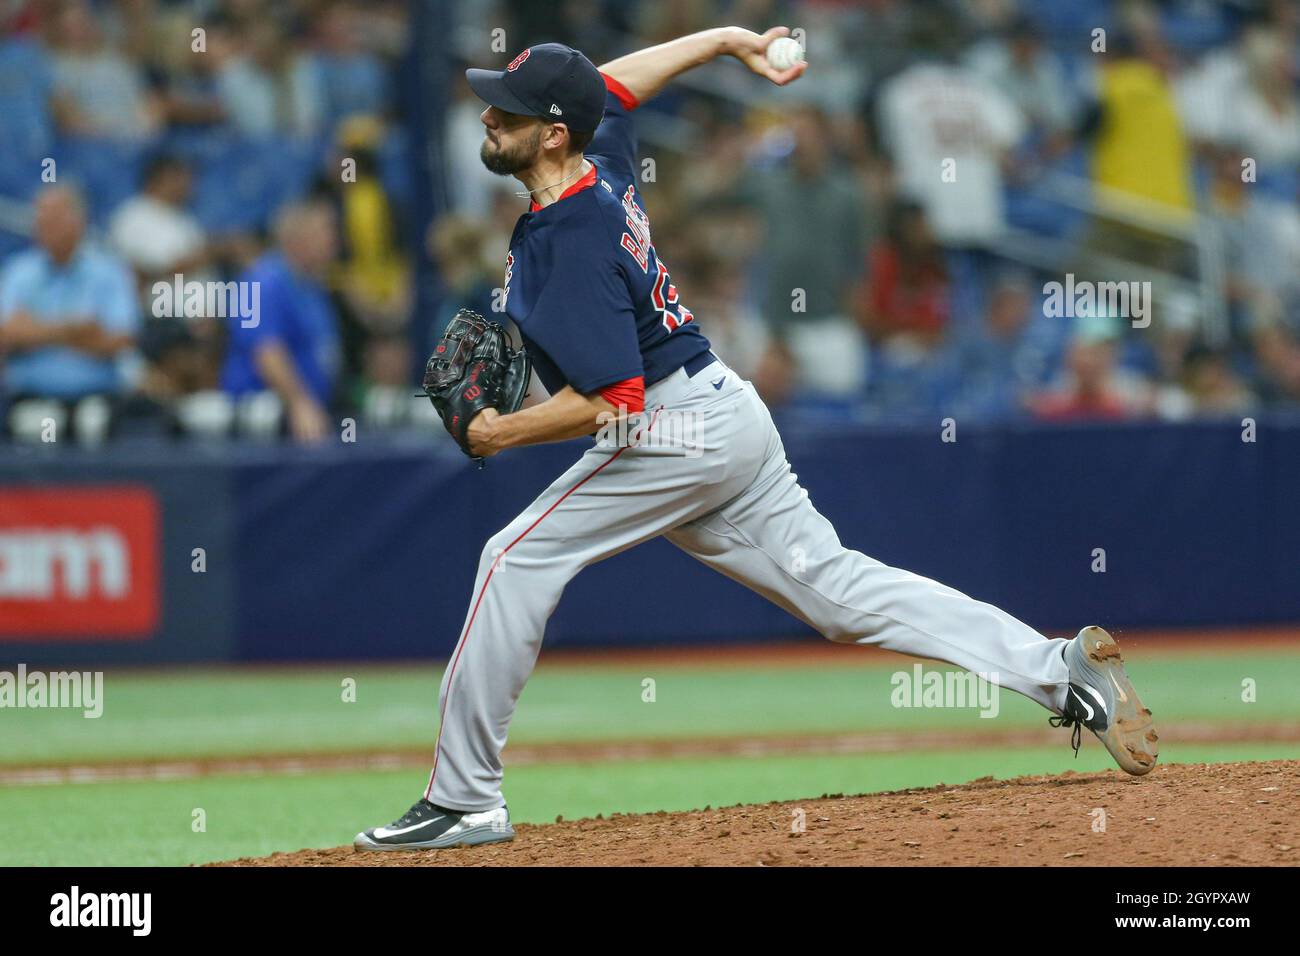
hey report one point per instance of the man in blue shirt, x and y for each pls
(290, 346)
(68, 310)
(611, 338)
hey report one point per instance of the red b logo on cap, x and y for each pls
(514, 64)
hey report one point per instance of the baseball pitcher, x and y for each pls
(683, 447)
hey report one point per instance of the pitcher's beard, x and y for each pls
(507, 162)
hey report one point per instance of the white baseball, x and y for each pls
(784, 52)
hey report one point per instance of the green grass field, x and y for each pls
(220, 713)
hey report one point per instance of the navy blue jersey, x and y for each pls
(591, 297)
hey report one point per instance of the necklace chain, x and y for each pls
(525, 195)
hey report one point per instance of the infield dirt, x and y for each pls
(1178, 815)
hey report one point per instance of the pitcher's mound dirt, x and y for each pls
(1180, 814)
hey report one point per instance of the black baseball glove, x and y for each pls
(474, 368)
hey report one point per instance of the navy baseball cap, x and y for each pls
(549, 80)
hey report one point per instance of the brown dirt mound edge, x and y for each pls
(1231, 814)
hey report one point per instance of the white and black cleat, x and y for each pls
(1101, 698)
(429, 827)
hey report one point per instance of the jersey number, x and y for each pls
(665, 299)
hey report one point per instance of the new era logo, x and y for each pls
(556, 110)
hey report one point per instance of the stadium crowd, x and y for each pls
(878, 242)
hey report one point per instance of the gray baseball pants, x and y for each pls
(710, 474)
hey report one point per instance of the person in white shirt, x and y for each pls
(1031, 76)
(947, 131)
(160, 238)
(268, 88)
(98, 91)
(153, 230)
(1245, 97)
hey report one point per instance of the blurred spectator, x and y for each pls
(999, 364)
(1245, 96)
(766, 208)
(374, 277)
(1033, 78)
(154, 231)
(1212, 384)
(182, 358)
(668, 19)
(26, 91)
(292, 347)
(720, 172)
(459, 246)
(266, 86)
(158, 236)
(68, 310)
(352, 78)
(371, 281)
(384, 389)
(1266, 110)
(1093, 386)
(1160, 352)
(1275, 328)
(1140, 149)
(888, 25)
(590, 28)
(727, 314)
(775, 374)
(1252, 233)
(904, 300)
(183, 80)
(593, 26)
(100, 92)
(808, 284)
(1259, 239)
(948, 132)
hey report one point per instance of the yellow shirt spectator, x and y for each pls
(1141, 150)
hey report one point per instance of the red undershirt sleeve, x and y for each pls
(629, 393)
(624, 95)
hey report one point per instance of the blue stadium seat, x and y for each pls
(1282, 184)
(106, 170)
(1196, 27)
(1068, 24)
(240, 182)
(19, 175)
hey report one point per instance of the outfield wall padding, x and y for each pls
(368, 550)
